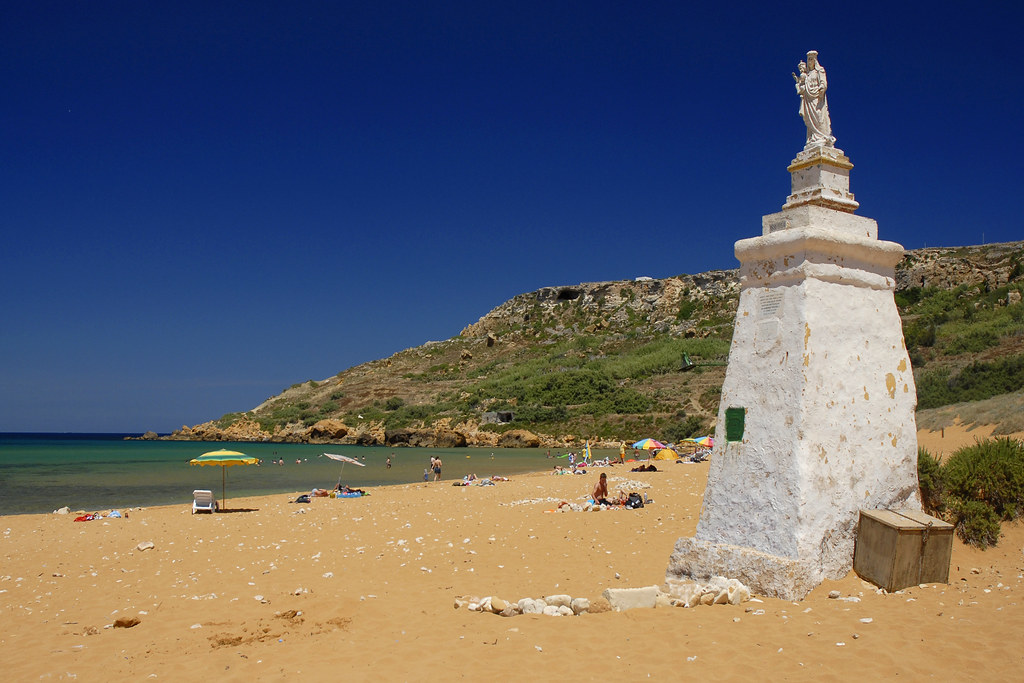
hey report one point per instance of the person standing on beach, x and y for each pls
(437, 469)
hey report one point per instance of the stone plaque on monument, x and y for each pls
(816, 418)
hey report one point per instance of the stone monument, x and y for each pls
(816, 419)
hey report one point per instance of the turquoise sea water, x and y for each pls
(40, 473)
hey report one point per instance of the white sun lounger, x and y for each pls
(203, 500)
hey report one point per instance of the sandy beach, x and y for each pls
(364, 589)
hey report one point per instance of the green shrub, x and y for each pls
(661, 356)
(978, 486)
(975, 382)
(710, 398)
(229, 419)
(683, 427)
(977, 523)
(586, 343)
(623, 400)
(932, 481)
(973, 341)
(686, 309)
(991, 472)
(571, 387)
(938, 303)
(536, 414)
(908, 297)
(394, 403)
(278, 413)
(920, 332)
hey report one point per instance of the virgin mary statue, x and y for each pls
(811, 84)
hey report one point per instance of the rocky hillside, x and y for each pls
(612, 361)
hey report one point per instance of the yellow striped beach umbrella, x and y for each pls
(223, 459)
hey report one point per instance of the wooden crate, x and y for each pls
(899, 549)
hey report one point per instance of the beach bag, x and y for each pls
(634, 501)
(304, 498)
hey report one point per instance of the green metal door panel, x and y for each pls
(735, 419)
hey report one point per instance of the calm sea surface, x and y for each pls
(43, 472)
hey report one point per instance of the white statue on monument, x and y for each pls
(811, 85)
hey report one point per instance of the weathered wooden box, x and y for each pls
(899, 549)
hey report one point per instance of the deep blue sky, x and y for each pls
(203, 203)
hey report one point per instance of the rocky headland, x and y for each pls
(447, 393)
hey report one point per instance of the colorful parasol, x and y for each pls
(649, 445)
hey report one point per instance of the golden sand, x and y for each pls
(942, 442)
(363, 589)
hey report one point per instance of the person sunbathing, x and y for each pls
(600, 493)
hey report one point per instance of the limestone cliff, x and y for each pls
(993, 265)
(659, 306)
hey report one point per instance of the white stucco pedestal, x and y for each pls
(816, 419)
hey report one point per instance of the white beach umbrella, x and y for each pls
(342, 459)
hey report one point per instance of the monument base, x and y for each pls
(821, 176)
(768, 575)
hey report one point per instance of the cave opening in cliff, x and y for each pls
(568, 294)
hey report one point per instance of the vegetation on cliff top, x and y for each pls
(609, 360)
